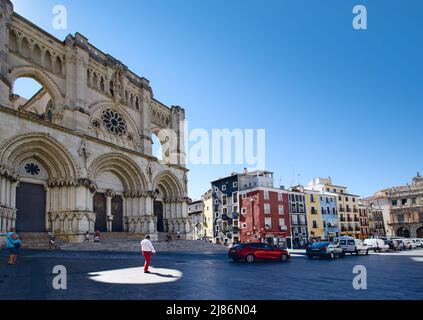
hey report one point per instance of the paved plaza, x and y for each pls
(184, 276)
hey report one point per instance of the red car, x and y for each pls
(251, 252)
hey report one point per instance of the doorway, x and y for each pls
(31, 208)
(158, 212)
(99, 205)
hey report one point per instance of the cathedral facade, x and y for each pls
(77, 156)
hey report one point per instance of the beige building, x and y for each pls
(406, 204)
(208, 214)
(77, 156)
(380, 203)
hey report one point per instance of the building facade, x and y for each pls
(406, 204)
(298, 217)
(196, 212)
(314, 216)
(347, 205)
(77, 156)
(364, 214)
(380, 201)
(264, 216)
(376, 222)
(208, 215)
(330, 218)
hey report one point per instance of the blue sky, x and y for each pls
(334, 101)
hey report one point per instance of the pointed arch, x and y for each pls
(57, 161)
(122, 167)
(41, 77)
(168, 185)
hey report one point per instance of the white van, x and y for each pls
(377, 245)
(352, 245)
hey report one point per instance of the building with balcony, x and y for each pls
(406, 208)
(298, 217)
(347, 204)
(264, 216)
(364, 221)
(381, 203)
(225, 202)
(314, 215)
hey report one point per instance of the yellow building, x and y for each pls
(208, 214)
(348, 205)
(314, 215)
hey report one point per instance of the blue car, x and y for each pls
(324, 250)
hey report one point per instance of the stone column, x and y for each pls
(109, 196)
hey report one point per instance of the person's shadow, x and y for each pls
(169, 276)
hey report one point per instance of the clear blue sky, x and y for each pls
(334, 101)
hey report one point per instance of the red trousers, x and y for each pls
(147, 256)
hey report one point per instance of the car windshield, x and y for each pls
(320, 244)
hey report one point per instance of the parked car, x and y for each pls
(400, 243)
(418, 242)
(377, 245)
(393, 245)
(353, 246)
(251, 252)
(325, 250)
(409, 244)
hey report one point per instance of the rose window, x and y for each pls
(114, 122)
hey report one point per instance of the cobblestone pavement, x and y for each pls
(184, 276)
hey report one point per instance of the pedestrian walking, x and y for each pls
(52, 242)
(87, 236)
(13, 244)
(147, 250)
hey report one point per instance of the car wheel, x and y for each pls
(284, 257)
(367, 252)
(250, 258)
(356, 252)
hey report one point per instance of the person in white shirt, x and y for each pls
(147, 250)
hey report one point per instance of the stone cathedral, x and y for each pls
(77, 156)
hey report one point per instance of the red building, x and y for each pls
(264, 216)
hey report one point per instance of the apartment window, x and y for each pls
(243, 210)
(400, 218)
(235, 197)
(281, 210)
(244, 226)
(353, 199)
(324, 224)
(313, 210)
(216, 189)
(266, 208)
(414, 201)
(224, 200)
(216, 201)
(217, 228)
(312, 198)
(235, 209)
(216, 214)
(293, 208)
(327, 189)
(294, 219)
(315, 224)
(266, 195)
(333, 210)
(323, 210)
(224, 187)
(268, 223)
(235, 185)
(225, 211)
(302, 219)
(280, 197)
(394, 203)
(347, 199)
(244, 196)
(339, 198)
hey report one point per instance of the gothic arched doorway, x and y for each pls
(158, 213)
(403, 232)
(419, 233)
